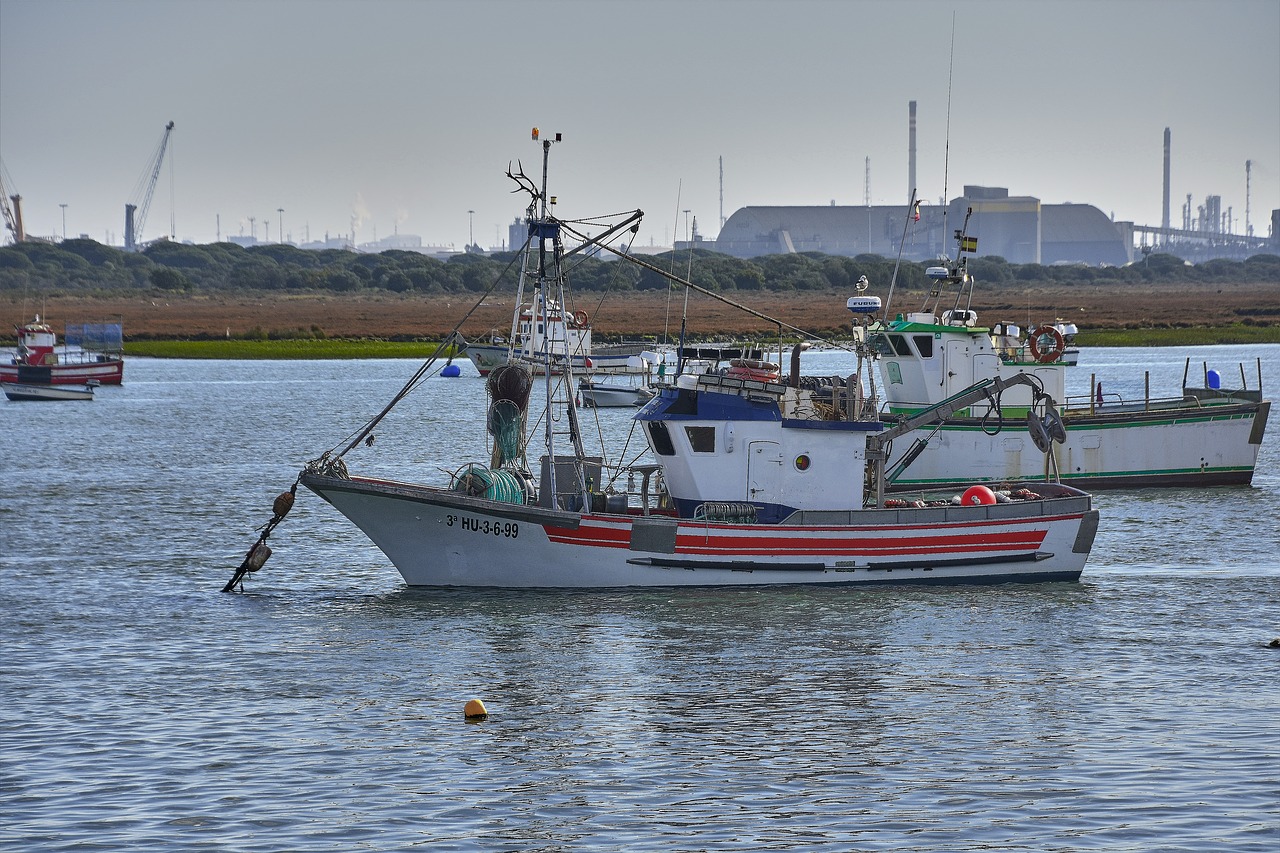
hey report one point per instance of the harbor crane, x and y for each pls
(135, 215)
(12, 215)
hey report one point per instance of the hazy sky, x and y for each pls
(404, 115)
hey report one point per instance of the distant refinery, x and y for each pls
(1020, 228)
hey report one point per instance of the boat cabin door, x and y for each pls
(764, 472)
(959, 367)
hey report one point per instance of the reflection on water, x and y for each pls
(322, 710)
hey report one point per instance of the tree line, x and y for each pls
(87, 267)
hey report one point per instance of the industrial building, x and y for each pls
(1019, 229)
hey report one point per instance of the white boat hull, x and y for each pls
(436, 537)
(614, 396)
(486, 357)
(15, 391)
(1206, 446)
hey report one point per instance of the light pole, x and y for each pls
(280, 210)
(686, 226)
(64, 221)
(471, 226)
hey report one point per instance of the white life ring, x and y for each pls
(1054, 352)
(580, 317)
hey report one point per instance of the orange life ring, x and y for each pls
(580, 317)
(1054, 352)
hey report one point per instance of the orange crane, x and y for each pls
(135, 215)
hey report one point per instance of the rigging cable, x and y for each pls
(422, 373)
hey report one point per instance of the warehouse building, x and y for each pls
(1019, 229)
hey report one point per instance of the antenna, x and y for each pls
(946, 156)
(911, 149)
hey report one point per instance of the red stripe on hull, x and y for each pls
(773, 540)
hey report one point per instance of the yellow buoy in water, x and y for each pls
(474, 710)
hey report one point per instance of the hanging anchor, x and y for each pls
(258, 553)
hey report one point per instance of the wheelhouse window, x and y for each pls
(661, 439)
(882, 345)
(701, 438)
(924, 343)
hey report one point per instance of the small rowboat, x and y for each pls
(16, 391)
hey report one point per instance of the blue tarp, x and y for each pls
(95, 337)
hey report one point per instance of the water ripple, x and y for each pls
(322, 710)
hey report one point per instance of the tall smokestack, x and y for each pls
(722, 191)
(1164, 219)
(1248, 226)
(911, 154)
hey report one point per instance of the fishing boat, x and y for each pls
(551, 328)
(748, 482)
(1197, 438)
(90, 351)
(18, 391)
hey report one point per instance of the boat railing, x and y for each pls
(1193, 398)
(1114, 402)
(1099, 401)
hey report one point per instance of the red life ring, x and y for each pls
(753, 364)
(751, 368)
(580, 317)
(1054, 352)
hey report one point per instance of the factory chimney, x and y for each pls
(1248, 226)
(1164, 219)
(911, 153)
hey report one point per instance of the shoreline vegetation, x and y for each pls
(273, 325)
(342, 348)
(223, 300)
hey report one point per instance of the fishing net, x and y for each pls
(506, 425)
(508, 386)
(511, 382)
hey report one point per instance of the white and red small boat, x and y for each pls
(90, 352)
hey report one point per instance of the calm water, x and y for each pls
(144, 710)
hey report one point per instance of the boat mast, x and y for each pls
(557, 366)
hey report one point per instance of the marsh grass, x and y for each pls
(286, 349)
(1168, 337)
(303, 348)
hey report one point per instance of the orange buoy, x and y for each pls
(474, 710)
(977, 496)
